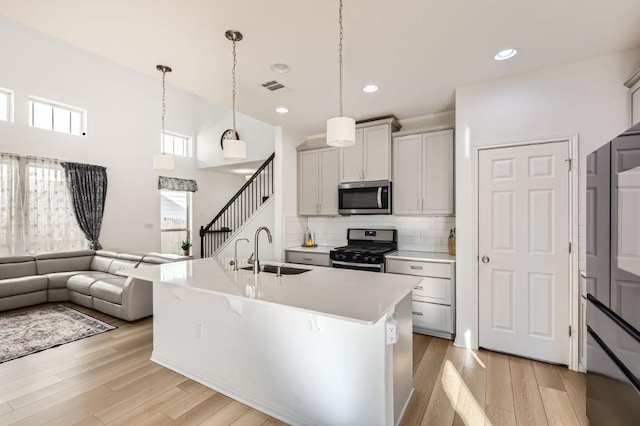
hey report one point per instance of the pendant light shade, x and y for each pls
(163, 162)
(233, 149)
(341, 131)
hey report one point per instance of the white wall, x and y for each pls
(123, 131)
(585, 98)
(263, 217)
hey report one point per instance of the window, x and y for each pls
(6, 105)
(50, 115)
(36, 213)
(175, 222)
(176, 144)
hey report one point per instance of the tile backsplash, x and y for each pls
(426, 233)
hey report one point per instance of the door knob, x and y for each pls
(485, 259)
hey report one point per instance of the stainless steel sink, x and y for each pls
(284, 270)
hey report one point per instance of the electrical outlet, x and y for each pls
(392, 331)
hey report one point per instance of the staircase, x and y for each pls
(238, 210)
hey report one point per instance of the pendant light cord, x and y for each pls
(340, 54)
(164, 105)
(233, 90)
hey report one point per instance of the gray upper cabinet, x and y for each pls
(318, 182)
(370, 158)
(423, 173)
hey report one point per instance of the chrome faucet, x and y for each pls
(235, 253)
(256, 261)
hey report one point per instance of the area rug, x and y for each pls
(44, 327)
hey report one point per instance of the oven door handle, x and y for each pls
(379, 197)
(366, 265)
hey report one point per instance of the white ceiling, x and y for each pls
(417, 51)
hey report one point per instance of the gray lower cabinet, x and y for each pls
(433, 298)
(318, 259)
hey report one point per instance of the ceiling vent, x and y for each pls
(272, 85)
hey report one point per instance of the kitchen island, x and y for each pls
(306, 349)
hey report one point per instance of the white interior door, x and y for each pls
(523, 213)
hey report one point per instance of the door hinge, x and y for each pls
(569, 161)
(569, 331)
(569, 247)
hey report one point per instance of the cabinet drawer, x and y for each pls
(436, 290)
(422, 269)
(432, 317)
(319, 259)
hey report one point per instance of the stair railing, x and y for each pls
(239, 209)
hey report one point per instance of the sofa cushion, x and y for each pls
(59, 279)
(22, 285)
(109, 289)
(119, 264)
(76, 260)
(17, 266)
(101, 262)
(137, 257)
(81, 283)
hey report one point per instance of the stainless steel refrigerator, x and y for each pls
(613, 281)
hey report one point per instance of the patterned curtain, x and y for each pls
(177, 184)
(49, 217)
(88, 187)
(11, 209)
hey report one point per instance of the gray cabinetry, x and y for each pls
(433, 300)
(370, 158)
(318, 182)
(423, 173)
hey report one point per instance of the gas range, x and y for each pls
(365, 249)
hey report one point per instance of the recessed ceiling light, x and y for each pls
(370, 88)
(280, 68)
(505, 54)
(282, 110)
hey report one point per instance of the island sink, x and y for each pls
(284, 270)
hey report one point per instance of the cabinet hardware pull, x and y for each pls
(307, 258)
(423, 204)
(419, 268)
(419, 287)
(417, 313)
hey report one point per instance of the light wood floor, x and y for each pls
(108, 379)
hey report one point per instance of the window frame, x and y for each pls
(53, 105)
(188, 150)
(10, 104)
(189, 208)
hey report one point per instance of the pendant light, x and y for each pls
(234, 149)
(341, 131)
(163, 161)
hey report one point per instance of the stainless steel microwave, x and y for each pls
(364, 198)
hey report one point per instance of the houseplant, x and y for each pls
(186, 245)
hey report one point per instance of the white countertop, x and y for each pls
(319, 249)
(422, 256)
(357, 296)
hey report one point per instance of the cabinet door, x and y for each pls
(377, 153)
(351, 160)
(438, 173)
(635, 105)
(308, 164)
(407, 165)
(329, 171)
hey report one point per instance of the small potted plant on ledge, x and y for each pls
(186, 246)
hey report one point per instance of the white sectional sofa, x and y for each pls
(85, 277)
